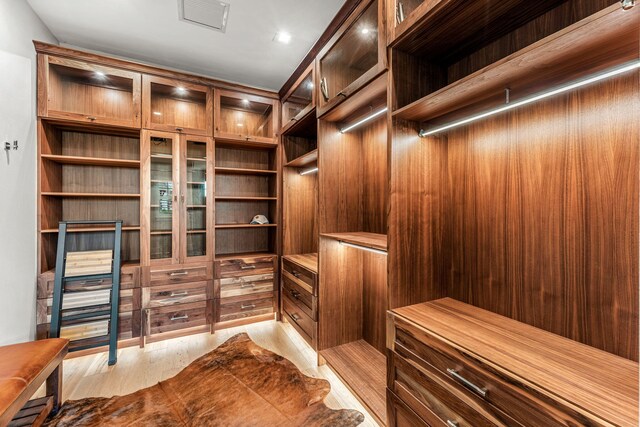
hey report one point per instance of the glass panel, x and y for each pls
(300, 99)
(178, 106)
(352, 56)
(196, 198)
(404, 8)
(246, 118)
(91, 93)
(161, 198)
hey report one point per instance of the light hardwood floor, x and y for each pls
(90, 376)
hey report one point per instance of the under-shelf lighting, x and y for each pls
(100, 74)
(364, 248)
(308, 171)
(561, 89)
(365, 120)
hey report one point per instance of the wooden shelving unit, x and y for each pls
(578, 50)
(367, 240)
(90, 195)
(231, 226)
(363, 369)
(306, 159)
(241, 171)
(91, 161)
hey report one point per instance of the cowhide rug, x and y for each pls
(237, 384)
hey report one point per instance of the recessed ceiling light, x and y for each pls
(180, 89)
(365, 31)
(282, 37)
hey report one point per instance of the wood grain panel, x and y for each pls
(374, 299)
(418, 231)
(544, 211)
(300, 216)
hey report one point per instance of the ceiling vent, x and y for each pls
(207, 13)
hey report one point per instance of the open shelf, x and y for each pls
(91, 161)
(243, 171)
(92, 195)
(304, 126)
(364, 370)
(582, 48)
(305, 160)
(245, 225)
(368, 240)
(90, 229)
(245, 198)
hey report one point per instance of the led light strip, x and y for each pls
(365, 120)
(364, 248)
(565, 88)
(308, 171)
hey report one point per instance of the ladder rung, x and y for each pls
(88, 277)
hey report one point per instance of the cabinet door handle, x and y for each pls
(247, 307)
(452, 423)
(181, 273)
(179, 294)
(247, 267)
(176, 317)
(482, 392)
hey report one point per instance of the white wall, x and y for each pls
(19, 25)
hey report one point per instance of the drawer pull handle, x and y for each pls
(181, 273)
(179, 294)
(294, 294)
(295, 274)
(295, 317)
(248, 267)
(91, 118)
(247, 307)
(452, 423)
(247, 285)
(482, 392)
(176, 317)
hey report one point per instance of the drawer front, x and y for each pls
(479, 381)
(128, 327)
(186, 273)
(166, 295)
(244, 267)
(303, 299)
(172, 318)
(298, 316)
(303, 277)
(243, 307)
(400, 415)
(431, 396)
(245, 285)
(129, 301)
(129, 279)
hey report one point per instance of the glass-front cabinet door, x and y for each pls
(196, 198)
(244, 117)
(161, 198)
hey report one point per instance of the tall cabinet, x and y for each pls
(120, 140)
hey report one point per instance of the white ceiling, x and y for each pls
(150, 31)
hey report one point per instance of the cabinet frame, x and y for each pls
(45, 92)
(325, 106)
(147, 123)
(230, 136)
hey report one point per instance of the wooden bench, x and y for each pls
(23, 369)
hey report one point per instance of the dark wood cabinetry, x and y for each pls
(443, 375)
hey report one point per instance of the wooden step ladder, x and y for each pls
(92, 268)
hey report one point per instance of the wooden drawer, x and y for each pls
(300, 297)
(243, 307)
(299, 318)
(129, 278)
(303, 277)
(129, 301)
(245, 285)
(166, 295)
(170, 274)
(400, 415)
(244, 266)
(431, 396)
(477, 381)
(174, 317)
